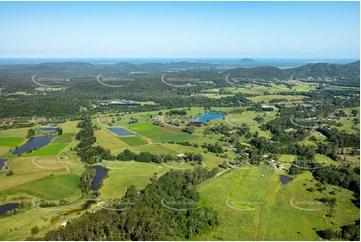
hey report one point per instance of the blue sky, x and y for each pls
(180, 29)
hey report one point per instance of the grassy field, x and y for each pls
(64, 138)
(247, 118)
(157, 134)
(133, 141)
(268, 214)
(176, 138)
(267, 98)
(267, 211)
(124, 174)
(21, 132)
(26, 171)
(11, 141)
(70, 127)
(348, 125)
(51, 149)
(3, 150)
(212, 161)
(18, 227)
(111, 142)
(50, 187)
(157, 149)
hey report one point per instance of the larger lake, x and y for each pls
(120, 131)
(36, 142)
(209, 116)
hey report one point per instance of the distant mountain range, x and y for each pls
(345, 74)
(340, 74)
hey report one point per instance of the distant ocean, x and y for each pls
(278, 61)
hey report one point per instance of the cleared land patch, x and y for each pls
(128, 173)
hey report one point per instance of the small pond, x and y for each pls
(285, 179)
(2, 162)
(8, 207)
(88, 203)
(120, 131)
(36, 142)
(209, 116)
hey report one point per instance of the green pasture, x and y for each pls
(64, 138)
(133, 141)
(260, 207)
(267, 98)
(51, 149)
(26, 171)
(123, 174)
(11, 141)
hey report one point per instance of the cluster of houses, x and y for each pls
(117, 103)
(273, 162)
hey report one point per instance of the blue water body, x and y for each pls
(100, 173)
(120, 131)
(209, 116)
(88, 203)
(51, 128)
(2, 163)
(8, 207)
(36, 142)
(285, 179)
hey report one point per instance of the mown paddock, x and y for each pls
(286, 160)
(247, 187)
(25, 171)
(11, 141)
(50, 149)
(64, 138)
(123, 174)
(70, 127)
(53, 188)
(176, 138)
(247, 118)
(111, 142)
(156, 149)
(20, 132)
(142, 127)
(155, 132)
(158, 134)
(4, 150)
(210, 159)
(234, 224)
(133, 141)
(312, 220)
